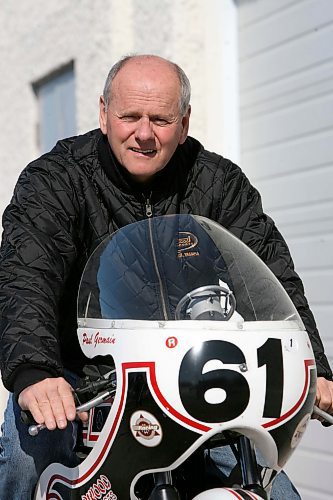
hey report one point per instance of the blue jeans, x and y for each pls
(282, 488)
(23, 458)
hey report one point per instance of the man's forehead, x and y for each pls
(144, 90)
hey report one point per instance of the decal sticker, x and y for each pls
(100, 489)
(97, 338)
(171, 342)
(291, 345)
(300, 429)
(186, 243)
(146, 429)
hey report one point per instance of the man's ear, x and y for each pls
(102, 115)
(185, 125)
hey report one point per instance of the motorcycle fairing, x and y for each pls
(150, 384)
(197, 378)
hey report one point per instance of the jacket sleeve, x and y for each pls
(36, 254)
(241, 212)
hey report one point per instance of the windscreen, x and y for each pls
(145, 269)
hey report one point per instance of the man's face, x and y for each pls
(142, 121)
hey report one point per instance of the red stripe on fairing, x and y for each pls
(241, 497)
(252, 495)
(73, 482)
(196, 425)
(169, 408)
(125, 367)
(205, 428)
(234, 493)
(307, 364)
(93, 437)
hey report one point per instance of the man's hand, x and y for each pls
(50, 402)
(324, 396)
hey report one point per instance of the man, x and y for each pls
(140, 163)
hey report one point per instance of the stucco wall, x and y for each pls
(39, 37)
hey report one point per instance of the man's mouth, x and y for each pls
(145, 152)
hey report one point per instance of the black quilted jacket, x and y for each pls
(64, 205)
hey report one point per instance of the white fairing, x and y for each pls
(226, 494)
(253, 374)
(160, 348)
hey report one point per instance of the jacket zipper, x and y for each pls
(148, 206)
(162, 291)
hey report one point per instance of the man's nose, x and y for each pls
(144, 130)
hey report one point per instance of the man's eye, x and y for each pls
(160, 121)
(129, 118)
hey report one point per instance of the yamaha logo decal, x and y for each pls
(186, 245)
(146, 429)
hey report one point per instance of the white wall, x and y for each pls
(286, 96)
(39, 37)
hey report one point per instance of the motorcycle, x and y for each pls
(204, 350)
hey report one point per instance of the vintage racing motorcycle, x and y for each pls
(203, 349)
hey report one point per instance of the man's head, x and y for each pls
(145, 112)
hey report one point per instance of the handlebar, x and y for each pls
(109, 384)
(321, 413)
(34, 429)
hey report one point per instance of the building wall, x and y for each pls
(38, 38)
(286, 116)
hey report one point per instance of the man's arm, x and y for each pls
(36, 255)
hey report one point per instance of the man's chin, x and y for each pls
(142, 173)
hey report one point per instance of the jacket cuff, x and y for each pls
(29, 376)
(323, 368)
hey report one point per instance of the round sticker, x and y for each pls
(146, 428)
(299, 431)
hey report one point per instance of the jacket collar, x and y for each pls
(119, 176)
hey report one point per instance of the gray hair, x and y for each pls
(185, 86)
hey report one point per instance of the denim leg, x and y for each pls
(282, 487)
(23, 458)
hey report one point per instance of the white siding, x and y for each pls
(286, 96)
